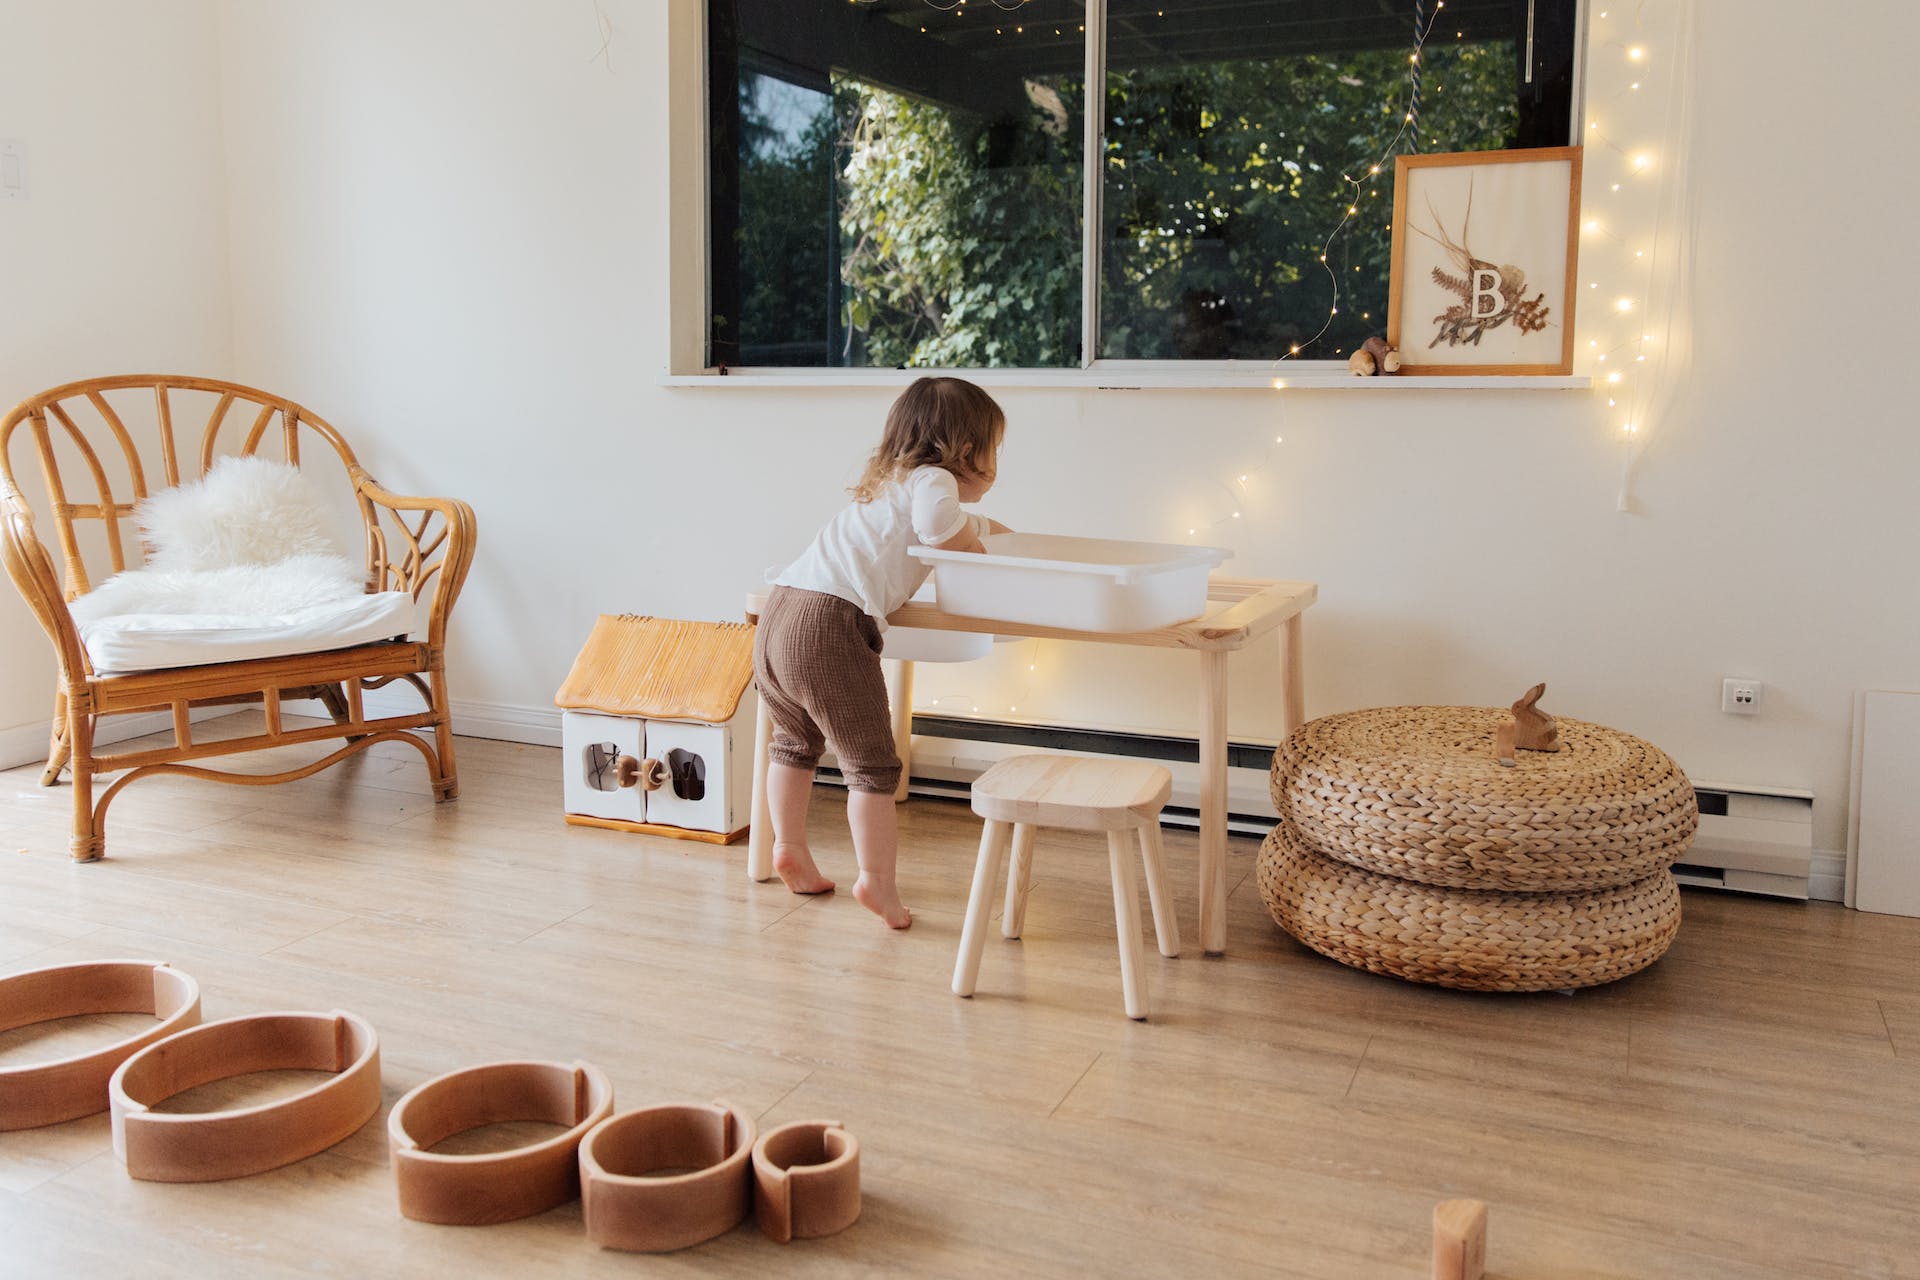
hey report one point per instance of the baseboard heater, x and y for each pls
(1752, 840)
(950, 752)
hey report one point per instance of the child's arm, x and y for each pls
(968, 539)
(965, 540)
(937, 512)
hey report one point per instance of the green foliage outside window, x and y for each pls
(959, 238)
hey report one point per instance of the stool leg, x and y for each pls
(1166, 924)
(1126, 921)
(1019, 881)
(973, 937)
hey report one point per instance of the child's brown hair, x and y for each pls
(936, 422)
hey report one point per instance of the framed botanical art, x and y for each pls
(1485, 245)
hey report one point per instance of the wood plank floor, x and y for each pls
(1748, 1107)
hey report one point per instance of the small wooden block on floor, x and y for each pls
(1460, 1240)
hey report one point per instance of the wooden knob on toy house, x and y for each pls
(648, 774)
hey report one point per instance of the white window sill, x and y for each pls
(1302, 377)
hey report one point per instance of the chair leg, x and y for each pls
(973, 936)
(446, 783)
(1013, 918)
(334, 700)
(1126, 921)
(59, 743)
(1166, 922)
(89, 842)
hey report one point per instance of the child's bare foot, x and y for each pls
(883, 901)
(794, 863)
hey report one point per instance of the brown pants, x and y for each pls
(816, 661)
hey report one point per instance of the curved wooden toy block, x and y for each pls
(631, 1206)
(167, 1147)
(476, 1190)
(806, 1178)
(68, 1088)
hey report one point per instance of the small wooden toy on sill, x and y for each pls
(657, 725)
(1373, 356)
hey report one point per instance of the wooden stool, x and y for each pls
(1114, 796)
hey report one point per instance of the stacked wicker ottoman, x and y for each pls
(1406, 848)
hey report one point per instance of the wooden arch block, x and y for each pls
(165, 1147)
(631, 1206)
(68, 1088)
(806, 1179)
(475, 1190)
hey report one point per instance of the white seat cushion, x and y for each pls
(120, 643)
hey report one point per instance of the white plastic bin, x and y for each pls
(1077, 584)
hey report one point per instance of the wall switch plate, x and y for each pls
(1740, 695)
(13, 170)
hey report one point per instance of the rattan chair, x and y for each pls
(80, 433)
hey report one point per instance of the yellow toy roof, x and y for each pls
(661, 669)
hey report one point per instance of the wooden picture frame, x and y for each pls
(1451, 310)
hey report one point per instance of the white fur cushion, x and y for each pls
(238, 566)
(243, 511)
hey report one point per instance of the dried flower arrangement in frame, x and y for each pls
(1485, 246)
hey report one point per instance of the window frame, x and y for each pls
(1093, 371)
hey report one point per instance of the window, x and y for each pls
(904, 182)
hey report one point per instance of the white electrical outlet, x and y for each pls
(1741, 696)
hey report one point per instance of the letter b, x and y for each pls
(1486, 294)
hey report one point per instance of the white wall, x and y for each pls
(117, 260)
(450, 236)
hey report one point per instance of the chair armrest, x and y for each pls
(31, 567)
(409, 555)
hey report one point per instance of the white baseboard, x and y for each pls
(1827, 876)
(501, 721)
(27, 744)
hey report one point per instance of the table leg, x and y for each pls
(1213, 801)
(902, 699)
(760, 835)
(1293, 679)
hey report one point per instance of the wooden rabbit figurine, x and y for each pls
(1531, 729)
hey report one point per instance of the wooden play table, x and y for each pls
(1239, 612)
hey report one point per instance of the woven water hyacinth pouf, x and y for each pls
(1405, 847)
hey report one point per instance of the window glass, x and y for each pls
(1230, 126)
(899, 182)
(893, 183)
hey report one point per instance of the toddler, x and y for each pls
(816, 654)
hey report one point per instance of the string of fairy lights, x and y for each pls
(1409, 118)
(1635, 230)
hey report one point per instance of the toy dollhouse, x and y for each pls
(657, 726)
